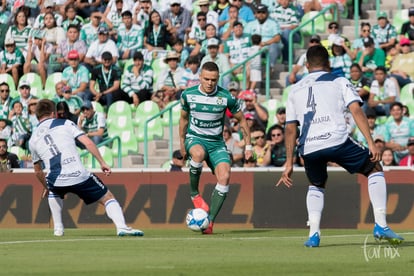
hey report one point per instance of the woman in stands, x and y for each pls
(156, 36)
(358, 43)
(20, 31)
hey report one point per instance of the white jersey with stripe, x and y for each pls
(317, 104)
(53, 143)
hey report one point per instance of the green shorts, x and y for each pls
(215, 151)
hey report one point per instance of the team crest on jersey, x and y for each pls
(219, 100)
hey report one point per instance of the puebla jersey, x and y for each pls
(207, 111)
(317, 104)
(53, 142)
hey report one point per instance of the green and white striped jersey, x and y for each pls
(207, 111)
(20, 37)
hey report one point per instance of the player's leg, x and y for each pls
(56, 206)
(93, 190)
(197, 155)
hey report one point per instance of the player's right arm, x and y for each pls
(183, 125)
(91, 147)
(290, 144)
(40, 175)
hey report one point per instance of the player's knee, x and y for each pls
(197, 153)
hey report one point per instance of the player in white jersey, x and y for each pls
(201, 136)
(53, 149)
(316, 105)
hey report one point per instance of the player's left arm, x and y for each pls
(183, 125)
(244, 128)
(362, 123)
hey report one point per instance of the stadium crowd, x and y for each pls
(143, 50)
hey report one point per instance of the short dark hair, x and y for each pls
(44, 108)
(4, 83)
(3, 140)
(74, 26)
(317, 56)
(396, 104)
(138, 56)
(381, 68)
(356, 65)
(210, 66)
(256, 39)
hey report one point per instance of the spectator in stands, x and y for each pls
(236, 48)
(142, 10)
(11, 60)
(169, 79)
(299, 70)
(380, 142)
(191, 75)
(370, 58)
(20, 31)
(92, 123)
(48, 7)
(32, 114)
(387, 158)
(252, 107)
(113, 16)
(340, 61)
(58, 97)
(177, 162)
(358, 43)
(408, 161)
(177, 19)
(71, 18)
(89, 31)
(156, 36)
(86, 8)
(220, 59)
(276, 138)
(234, 88)
(5, 128)
(333, 31)
(221, 5)
(62, 112)
(227, 29)
(286, 14)
(280, 117)
(107, 76)
(401, 68)
(5, 100)
(24, 97)
(376, 130)
(178, 47)
(261, 149)
(198, 30)
(8, 160)
(270, 32)
(383, 92)
(76, 76)
(72, 42)
(407, 29)
(212, 16)
(52, 32)
(406, 111)
(21, 127)
(361, 83)
(245, 13)
(137, 80)
(255, 64)
(200, 48)
(130, 37)
(38, 50)
(74, 102)
(95, 51)
(397, 131)
(236, 152)
(384, 32)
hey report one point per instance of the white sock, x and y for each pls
(56, 206)
(314, 204)
(114, 212)
(377, 190)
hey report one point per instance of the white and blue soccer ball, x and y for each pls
(197, 219)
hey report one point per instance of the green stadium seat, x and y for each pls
(155, 130)
(320, 26)
(285, 95)
(106, 154)
(176, 112)
(116, 109)
(98, 107)
(406, 93)
(129, 143)
(49, 92)
(36, 87)
(399, 18)
(145, 110)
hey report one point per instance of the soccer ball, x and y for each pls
(197, 219)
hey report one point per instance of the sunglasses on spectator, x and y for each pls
(9, 45)
(276, 134)
(3, 147)
(5, 90)
(333, 27)
(201, 19)
(366, 31)
(314, 41)
(25, 87)
(259, 137)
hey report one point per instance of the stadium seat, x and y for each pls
(271, 106)
(36, 87)
(320, 26)
(176, 111)
(410, 106)
(106, 154)
(12, 86)
(145, 110)
(118, 108)
(19, 151)
(406, 93)
(98, 107)
(399, 18)
(285, 95)
(155, 130)
(49, 92)
(129, 143)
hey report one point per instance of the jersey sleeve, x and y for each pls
(349, 92)
(184, 103)
(233, 104)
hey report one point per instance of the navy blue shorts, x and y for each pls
(89, 191)
(350, 155)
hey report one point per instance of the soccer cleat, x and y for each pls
(129, 232)
(313, 241)
(209, 229)
(59, 232)
(199, 202)
(385, 233)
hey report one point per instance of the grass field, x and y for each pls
(182, 252)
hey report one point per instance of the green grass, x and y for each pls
(182, 252)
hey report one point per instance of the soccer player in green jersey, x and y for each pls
(201, 136)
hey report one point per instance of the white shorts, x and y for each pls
(255, 75)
